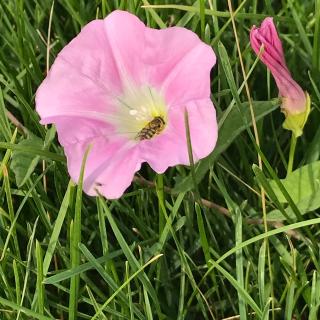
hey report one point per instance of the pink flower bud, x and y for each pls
(295, 102)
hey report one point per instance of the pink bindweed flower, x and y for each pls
(295, 102)
(123, 88)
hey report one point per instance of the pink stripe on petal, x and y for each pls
(190, 78)
(164, 49)
(286, 85)
(126, 37)
(90, 54)
(269, 32)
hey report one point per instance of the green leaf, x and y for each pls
(303, 185)
(304, 206)
(23, 164)
(236, 122)
(32, 150)
(300, 184)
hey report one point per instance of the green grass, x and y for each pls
(188, 244)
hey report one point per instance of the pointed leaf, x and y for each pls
(23, 164)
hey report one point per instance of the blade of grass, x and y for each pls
(95, 304)
(17, 281)
(11, 210)
(134, 264)
(34, 151)
(261, 237)
(261, 274)
(111, 283)
(26, 311)
(64, 275)
(315, 297)
(135, 274)
(40, 287)
(155, 15)
(4, 123)
(12, 227)
(26, 277)
(7, 154)
(202, 18)
(190, 154)
(302, 33)
(241, 291)
(266, 310)
(75, 240)
(316, 37)
(129, 294)
(239, 263)
(57, 229)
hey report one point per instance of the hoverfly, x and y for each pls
(152, 128)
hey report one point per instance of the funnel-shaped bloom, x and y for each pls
(123, 88)
(295, 102)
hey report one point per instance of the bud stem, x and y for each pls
(291, 153)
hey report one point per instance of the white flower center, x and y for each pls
(141, 113)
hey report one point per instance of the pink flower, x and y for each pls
(123, 88)
(295, 102)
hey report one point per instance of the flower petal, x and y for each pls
(125, 33)
(170, 147)
(267, 34)
(92, 70)
(91, 56)
(81, 130)
(66, 93)
(179, 63)
(82, 78)
(116, 174)
(111, 162)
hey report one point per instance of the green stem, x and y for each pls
(291, 153)
(160, 194)
(162, 217)
(190, 154)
